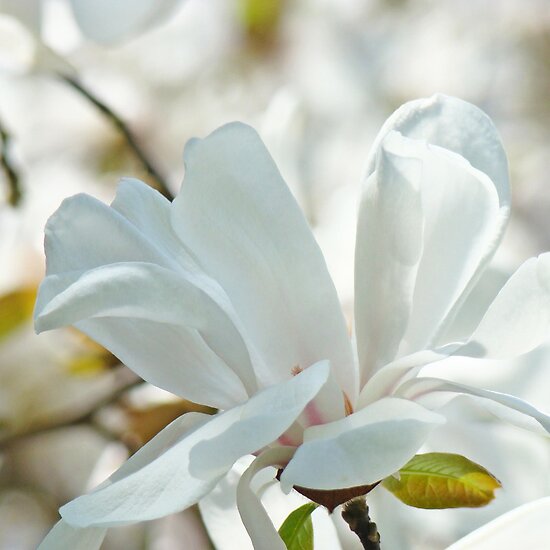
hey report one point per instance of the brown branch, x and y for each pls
(12, 177)
(356, 515)
(120, 125)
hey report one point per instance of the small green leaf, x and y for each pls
(297, 529)
(443, 480)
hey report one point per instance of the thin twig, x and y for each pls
(159, 181)
(12, 176)
(356, 515)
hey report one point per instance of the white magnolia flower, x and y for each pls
(103, 21)
(223, 298)
(106, 22)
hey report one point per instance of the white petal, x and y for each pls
(153, 483)
(260, 528)
(524, 527)
(475, 306)
(85, 233)
(178, 467)
(126, 306)
(518, 320)
(448, 218)
(362, 448)
(219, 511)
(260, 421)
(236, 215)
(455, 125)
(149, 212)
(387, 254)
(106, 21)
(64, 535)
(221, 517)
(328, 405)
(415, 389)
(388, 378)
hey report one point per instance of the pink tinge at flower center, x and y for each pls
(311, 415)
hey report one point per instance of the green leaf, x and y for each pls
(443, 480)
(297, 529)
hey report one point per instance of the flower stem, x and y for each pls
(12, 177)
(158, 179)
(356, 515)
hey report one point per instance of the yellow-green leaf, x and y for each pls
(15, 310)
(297, 529)
(443, 480)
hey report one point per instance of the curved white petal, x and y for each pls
(388, 252)
(475, 306)
(362, 448)
(84, 233)
(388, 378)
(149, 212)
(154, 482)
(263, 534)
(236, 215)
(451, 209)
(525, 527)
(416, 389)
(456, 125)
(328, 405)
(408, 279)
(64, 535)
(220, 514)
(221, 517)
(518, 320)
(186, 459)
(125, 306)
(106, 21)
(260, 421)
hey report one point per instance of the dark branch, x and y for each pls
(12, 177)
(356, 515)
(159, 181)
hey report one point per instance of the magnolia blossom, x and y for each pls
(223, 297)
(103, 21)
(100, 20)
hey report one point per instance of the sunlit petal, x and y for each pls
(416, 389)
(237, 216)
(362, 448)
(518, 320)
(126, 306)
(263, 534)
(64, 535)
(408, 280)
(260, 421)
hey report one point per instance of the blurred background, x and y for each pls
(316, 78)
